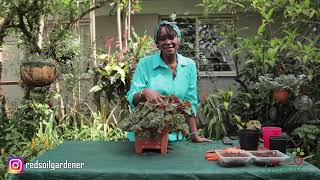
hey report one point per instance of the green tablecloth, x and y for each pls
(185, 160)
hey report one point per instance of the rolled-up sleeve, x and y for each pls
(191, 94)
(138, 82)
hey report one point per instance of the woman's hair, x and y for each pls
(171, 28)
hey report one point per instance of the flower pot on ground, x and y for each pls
(37, 74)
(280, 87)
(280, 95)
(152, 122)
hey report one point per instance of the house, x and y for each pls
(200, 38)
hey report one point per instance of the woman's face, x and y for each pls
(168, 43)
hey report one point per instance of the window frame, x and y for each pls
(198, 19)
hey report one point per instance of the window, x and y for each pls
(200, 41)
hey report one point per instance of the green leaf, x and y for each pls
(122, 74)
(261, 28)
(298, 149)
(311, 136)
(226, 105)
(301, 135)
(102, 56)
(221, 8)
(249, 61)
(238, 4)
(270, 13)
(247, 105)
(312, 13)
(96, 88)
(221, 43)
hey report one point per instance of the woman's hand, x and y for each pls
(152, 96)
(197, 139)
(191, 121)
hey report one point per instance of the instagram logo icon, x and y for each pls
(15, 165)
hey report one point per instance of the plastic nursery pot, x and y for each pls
(278, 143)
(249, 139)
(280, 95)
(268, 132)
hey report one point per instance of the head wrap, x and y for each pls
(165, 22)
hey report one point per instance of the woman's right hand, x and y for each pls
(152, 96)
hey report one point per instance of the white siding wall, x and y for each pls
(143, 21)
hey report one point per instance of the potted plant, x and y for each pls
(222, 110)
(31, 21)
(151, 123)
(38, 73)
(249, 137)
(280, 86)
(114, 74)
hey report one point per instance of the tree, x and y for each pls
(42, 23)
(289, 31)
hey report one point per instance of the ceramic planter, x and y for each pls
(37, 74)
(280, 95)
(159, 142)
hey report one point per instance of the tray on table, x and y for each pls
(268, 157)
(233, 158)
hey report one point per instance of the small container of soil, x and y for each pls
(233, 157)
(268, 157)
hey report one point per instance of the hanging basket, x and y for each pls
(280, 95)
(37, 74)
(159, 142)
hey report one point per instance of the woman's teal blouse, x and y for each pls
(151, 72)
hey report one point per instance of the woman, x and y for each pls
(166, 73)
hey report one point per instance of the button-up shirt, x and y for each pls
(153, 73)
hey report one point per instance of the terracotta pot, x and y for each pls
(280, 95)
(37, 74)
(159, 142)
